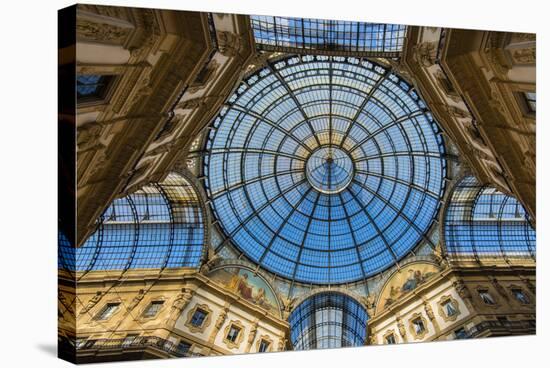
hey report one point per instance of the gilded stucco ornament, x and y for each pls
(426, 53)
(92, 302)
(92, 31)
(234, 344)
(179, 304)
(205, 323)
(418, 335)
(268, 340)
(440, 305)
(370, 304)
(229, 43)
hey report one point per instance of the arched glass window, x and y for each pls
(328, 320)
(329, 36)
(482, 222)
(325, 169)
(159, 226)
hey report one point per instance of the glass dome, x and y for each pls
(325, 169)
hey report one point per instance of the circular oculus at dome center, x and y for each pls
(329, 170)
(325, 170)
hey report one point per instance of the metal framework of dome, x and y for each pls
(325, 169)
(481, 222)
(159, 226)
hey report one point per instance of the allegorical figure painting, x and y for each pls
(404, 281)
(247, 285)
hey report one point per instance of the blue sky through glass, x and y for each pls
(273, 124)
(482, 222)
(159, 226)
(330, 35)
(328, 320)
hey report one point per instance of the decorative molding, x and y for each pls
(524, 55)
(205, 323)
(178, 305)
(426, 53)
(387, 334)
(92, 302)
(369, 302)
(240, 336)
(401, 328)
(144, 308)
(219, 323)
(513, 287)
(265, 338)
(229, 44)
(480, 288)
(499, 288)
(100, 32)
(421, 335)
(252, 335)
(444, 299)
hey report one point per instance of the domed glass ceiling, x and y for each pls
(325, 169)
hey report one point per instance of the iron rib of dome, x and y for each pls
(325, 170)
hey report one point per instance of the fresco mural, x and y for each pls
(403, 282)
(247, 285)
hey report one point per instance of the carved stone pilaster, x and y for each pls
(402, 329)
(135, 301)
(219, 323)
(251, 336)
(426, 53)
(229, 43)
(288, 304)
(464, 293)
(370, 304)
(430, 313)
(499, 288)
(180, 302)
(92, 302)
(281, 345)
(88, 137)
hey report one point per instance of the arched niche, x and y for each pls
(404, 281)
(247, 284)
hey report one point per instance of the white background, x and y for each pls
(28, 172)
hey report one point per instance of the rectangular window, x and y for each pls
(449, 308)
(419, 327)
(461, 334)
(198, 317)
(520, 296)
(153, 308)
(183, 347)
(486, 297)
(264, 345)
(107, 311)
(531, 99)
(390, 339)
(92, 86)
(233, 333)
